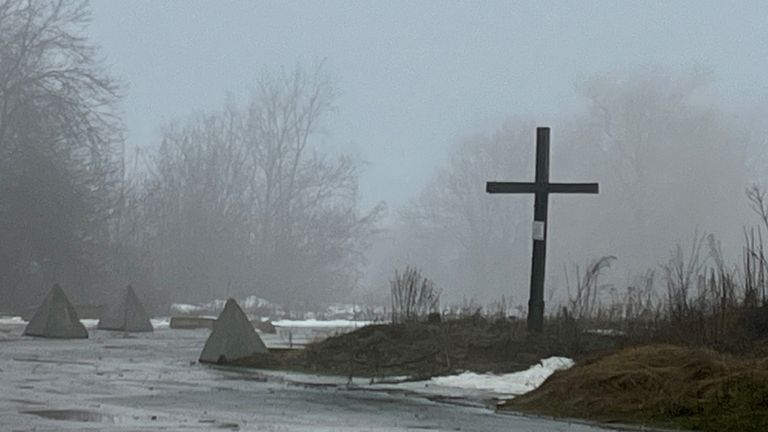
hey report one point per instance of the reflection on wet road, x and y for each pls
(116, 382)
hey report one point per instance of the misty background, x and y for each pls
(303, 151)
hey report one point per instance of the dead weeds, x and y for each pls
(667, 385)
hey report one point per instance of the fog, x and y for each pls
(303, 151)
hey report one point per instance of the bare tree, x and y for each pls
(457, 232)
(59, 149)
(666, 163)
(244, 199)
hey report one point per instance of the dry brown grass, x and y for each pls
(667, 385)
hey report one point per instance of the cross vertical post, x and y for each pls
(541, 188)
(540, 210)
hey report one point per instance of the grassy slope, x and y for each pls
(662, 385)
(423, 350)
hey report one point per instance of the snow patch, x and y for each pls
(14, 320)
(157, 323)
(606, 332)
(185, 308)
(313, 323)
(89, 323)
(511, 384)
(160, 323)
(252, 302)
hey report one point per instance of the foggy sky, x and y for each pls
(415, 76)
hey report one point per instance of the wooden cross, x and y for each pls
(541, 188)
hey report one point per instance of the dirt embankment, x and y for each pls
(656, 385)
(659, 385)
(421, 350)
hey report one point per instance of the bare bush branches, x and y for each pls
(758, 203)
(584, 302)
(413, 296)
(755, 267)
(680, 274)
(754, 259)
(707, 301)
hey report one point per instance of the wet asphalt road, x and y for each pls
(117, 382)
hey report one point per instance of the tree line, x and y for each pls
(238, 201)
(671, 160)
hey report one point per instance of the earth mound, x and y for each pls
(663, 385)
(423, 349)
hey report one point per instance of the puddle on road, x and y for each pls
(256, 378)
(73, 415)
(52, 361)
(84, 416)
(26, 401)
(220, 425)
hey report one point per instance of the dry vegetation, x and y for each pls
(413, 296)
(696, 355)
(702, 301)
(420, 349)
(665, 385)
(690, 353)
(421, 343)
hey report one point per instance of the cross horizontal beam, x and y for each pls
(530, 187)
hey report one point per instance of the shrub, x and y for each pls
(413, 296)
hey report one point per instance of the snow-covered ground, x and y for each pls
(157, 323)
(504, 386)
(467, 387)
(293, 334)
(12, 320)
(314, 323)
(298, 333)
(151, 381)
(259, 307)
(183, 308)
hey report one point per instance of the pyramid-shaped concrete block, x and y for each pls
(56, 318)
(232, 338)
(127, 315)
